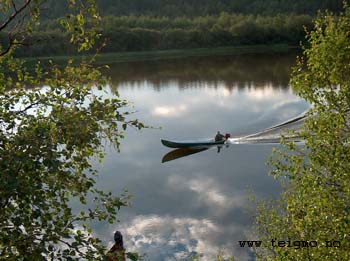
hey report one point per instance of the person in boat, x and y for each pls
(219, 136)
(117, 252)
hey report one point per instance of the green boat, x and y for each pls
(192, 144)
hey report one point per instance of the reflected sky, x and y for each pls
(195, 204)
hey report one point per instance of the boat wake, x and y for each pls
(272, 134)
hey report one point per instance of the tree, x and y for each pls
(47, 139)
(313, 215)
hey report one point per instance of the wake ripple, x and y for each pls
(272, 134)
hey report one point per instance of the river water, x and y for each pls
(195, 205)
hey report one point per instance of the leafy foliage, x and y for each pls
(191, 8)
(315, 205)
(48, 137)
(140, 25)
(142, 33)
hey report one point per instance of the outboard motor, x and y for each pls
(227, 135)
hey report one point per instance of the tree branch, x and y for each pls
(11, 44)
(15, 30)
(71, 247)
(14, 5)
(14, 14)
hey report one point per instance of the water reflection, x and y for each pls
(182, 238)
(195, 204)
(179, 153)
(240, 71)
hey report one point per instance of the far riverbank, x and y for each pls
(108, 58)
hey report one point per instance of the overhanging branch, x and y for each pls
(14, 14)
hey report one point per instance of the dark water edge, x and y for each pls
(255, 70)
(104, 58)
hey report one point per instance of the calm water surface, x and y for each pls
(195, 204)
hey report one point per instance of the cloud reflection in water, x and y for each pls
(169, 238)
(169, 111)
(195, 204)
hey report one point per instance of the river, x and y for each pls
(195, 205)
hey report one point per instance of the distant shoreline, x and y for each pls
(108, 58)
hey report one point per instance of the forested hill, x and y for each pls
(212, 7)
(148, 25)
(191, 8)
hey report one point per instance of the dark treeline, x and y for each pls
(192, 8)
(174, 8)
(142, 25)
(143, 33)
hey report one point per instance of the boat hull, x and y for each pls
(191, 144)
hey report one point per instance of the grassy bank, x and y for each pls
(107, 58)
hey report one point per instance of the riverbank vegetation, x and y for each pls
(195, 8)
(48, 138)
(315, 207)
(140, 25)
(144, 33)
